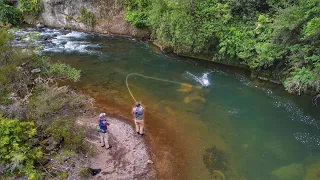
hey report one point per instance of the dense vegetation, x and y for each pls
(37, 117)
(282, 37)
(9, 13)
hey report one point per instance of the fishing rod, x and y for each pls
(150, 77)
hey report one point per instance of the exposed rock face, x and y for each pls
(109, 16)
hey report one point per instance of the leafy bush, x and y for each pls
(51, 101)
(61, 70)
(87, 17)
(312, 27)
(16, 153)
(9, 14)
(73, 135)
(31, 7)
(137, 13)
(301, 80)
(54, 109)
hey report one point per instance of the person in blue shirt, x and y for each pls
(103, 125)
(138, 118)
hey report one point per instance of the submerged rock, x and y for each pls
(185, 87)
(215, 160)
(291, 172)
(312, 172)
(218, 175)
(192, 97)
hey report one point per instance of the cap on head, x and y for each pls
(138, 104)
(102, 115)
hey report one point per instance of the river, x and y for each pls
(237, 127)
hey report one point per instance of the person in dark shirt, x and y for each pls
(103, 125)
(138, 118)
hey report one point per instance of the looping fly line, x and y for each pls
(149, 77)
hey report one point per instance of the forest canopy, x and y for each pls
(282, 37)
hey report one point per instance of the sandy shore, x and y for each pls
(127, 159)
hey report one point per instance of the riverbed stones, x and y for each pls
(218, 175)
(290, 172)
(185, 87)
(215, 160)
(192, 97)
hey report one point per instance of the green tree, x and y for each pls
(31, 7)
(9, 14)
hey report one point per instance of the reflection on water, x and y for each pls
(235, 128)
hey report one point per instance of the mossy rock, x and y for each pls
(290, 172)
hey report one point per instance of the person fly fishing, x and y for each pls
(138, 118)
(103, 130)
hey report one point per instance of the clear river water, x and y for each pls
(237, 127)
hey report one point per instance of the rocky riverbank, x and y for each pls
(129, 157)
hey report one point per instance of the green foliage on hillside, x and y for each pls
(9, 14)
(31, 7)
(13, 15)
(279, 36)
(16, 151)
(44, 111)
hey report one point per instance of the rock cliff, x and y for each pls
(109, 16)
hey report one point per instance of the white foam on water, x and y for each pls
(50, 32)
(71, 46)
(245, 81)
(53, 40)
(73, 34)
(295, 113)
(71, 42)
(234, 112)
(203, 80)
(308, 139)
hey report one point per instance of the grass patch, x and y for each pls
(84, 172)
(87, 17)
